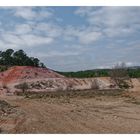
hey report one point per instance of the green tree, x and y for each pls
(18, 58)
(6, 57)
(35, 62)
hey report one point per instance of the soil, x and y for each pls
(101, 113)
(23, 73)
(44, 80)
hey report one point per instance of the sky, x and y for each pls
(73, 38)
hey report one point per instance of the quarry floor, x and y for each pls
(96, 114)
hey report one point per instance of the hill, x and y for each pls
(44, 80)
(24, 73)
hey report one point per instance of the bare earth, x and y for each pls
(69, 111)
(96, 114)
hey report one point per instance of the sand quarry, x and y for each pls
(44, 79)
(57, 104)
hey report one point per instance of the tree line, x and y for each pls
(86, 73)
(18, 58)
(119, 74)
(133, 73)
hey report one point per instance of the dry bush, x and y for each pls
(94, 84)
(120, 76)
(23, 86)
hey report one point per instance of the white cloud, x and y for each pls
(5, 45)
(54, 54)
(12, 39)
(23, 29)
(31, 28)
(114, 21)
(45, 13)
(89, 37)
(128, 64)
(24, 40)
(110, 16)
(34, 40)
(49, 29)
(29, 13)
(25, 12)
(85, 35)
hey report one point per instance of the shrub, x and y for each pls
(120, 76)
(94, 84)
(23, 86)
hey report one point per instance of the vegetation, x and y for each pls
(10, 58)
(132, 72)
(120, 76)
(17, 58)
(3, 68)
(23, 86)
(87, 73)
(72, 94)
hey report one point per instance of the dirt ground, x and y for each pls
(96, 114)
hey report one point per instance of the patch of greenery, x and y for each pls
(3, 68)
(133, 73)
(17, 58)
(87, 73)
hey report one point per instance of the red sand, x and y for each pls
(18, 73)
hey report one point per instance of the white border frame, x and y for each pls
(69, 2)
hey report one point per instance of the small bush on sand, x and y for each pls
(24, 87)
(120, 76)
(94, 84)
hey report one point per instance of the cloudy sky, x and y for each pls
(73, 38)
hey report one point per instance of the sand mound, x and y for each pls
(20, 73)
(44, 79)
